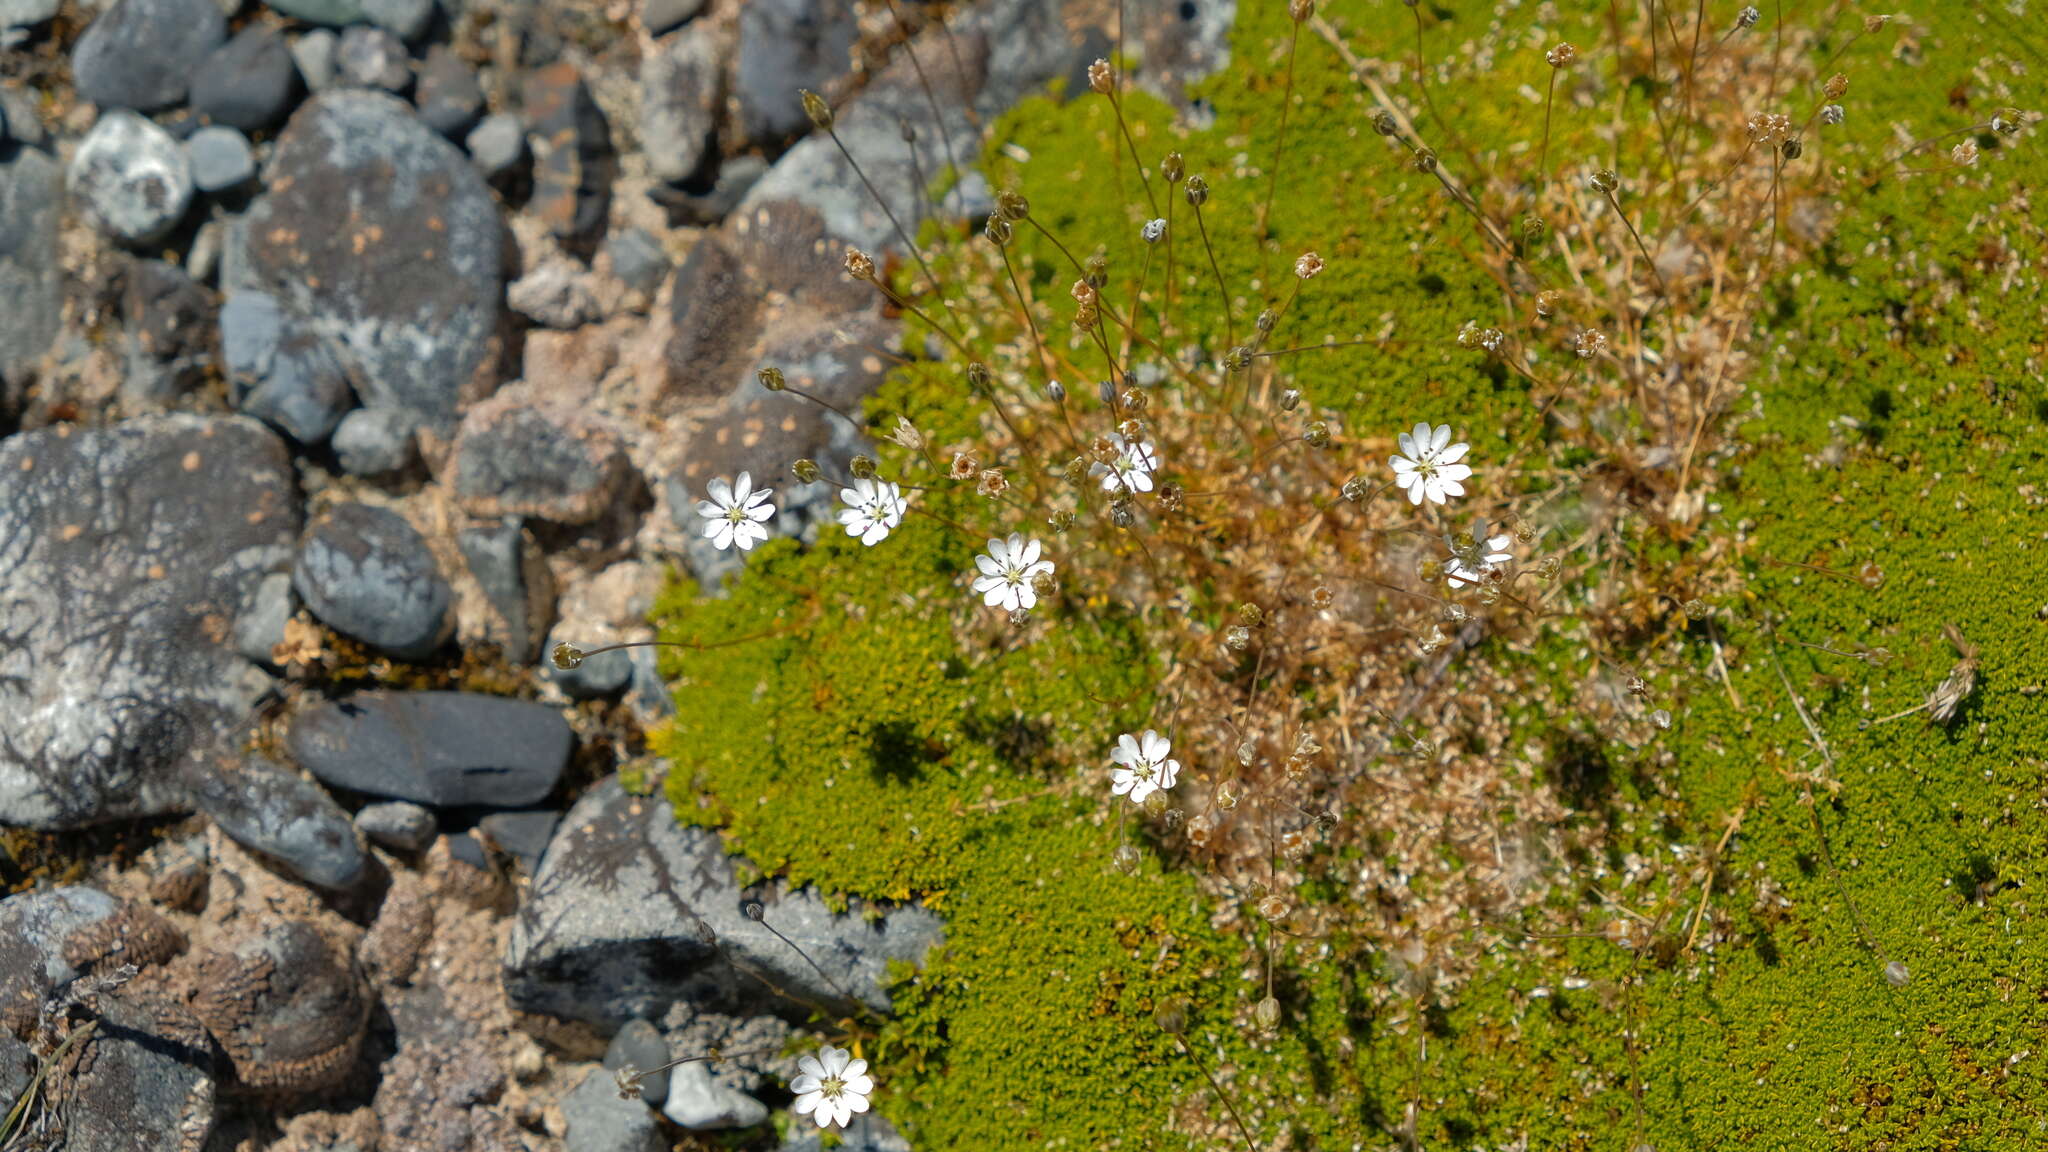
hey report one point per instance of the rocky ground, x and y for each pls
(352, 354)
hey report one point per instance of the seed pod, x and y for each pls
(1267, 318)
(862, 467)
(1383, 122)
(1173, 167)
(754, 911)
(1155, 804)
(1267, 1014)
(1198, 191)
(1045, 585)
(1355, 489)
(820, 113)
(1060, 521)
(1300, 10)
(1290, 400)
(805, 470)
(568, 656)
(1056, 392)
(770, 378)
(1019, 617)
(1123, 513)
(1317, 434)
(1606, 180)
(1125, 859)
(1897, 975)
(859, 264)
(1251, 615)
(1133, 401)
(1792, 148)
(979, 375)
(1097, 269)
(998, 230)
(1237, 359)
(1011, 205)
(1425, 160)
(1172, 1018)
(1171, 497)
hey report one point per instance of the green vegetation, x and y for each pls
(1886, 479)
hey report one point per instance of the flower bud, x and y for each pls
(2007, 122)
(998, 231)
(1133, 401)
(1549, 567)
(1011, 205)
(1125, 858)
(1060, 521)
(1356, 488)
(1317, 434)
(1606, 180)
(1097, 269)
(1792, 148)
(1836, 87)
(1897, 975)
(1226, 796)
(1076, 471)
(754, 911)
(568, 656)
(1267, 1014)
(1290, 400)
(1237, 359)
(1122, 512)
(820, 113)
(1172, 1018)
(770, 378)
(862, 467)
(1547, 302)
(1533, 229)
(1748, 17)
(1831, 114)
(1273, 907)
(1237, 638)
(805, 470)
(979, 375)
(1173, 167)
(1307, 265)
(1251, 615)
(1153, 230)
(1020, 617)
(627, 1078)
(1383, 122)
(1198, 191)
(1045, 585)
(1155, 804)
(1171, 497)
(1247, 752)
(859, 264)
(1425, 160)
(1562, 55)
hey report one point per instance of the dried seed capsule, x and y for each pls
(820, 113)
(805, 470)
(770, 378)
(1173, 167)
(1198, 191)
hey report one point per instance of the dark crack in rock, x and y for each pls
(382, 235)
(288, 1007)
(619, 924)
(127, 555)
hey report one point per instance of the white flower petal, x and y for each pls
(1153, 745)
(1168, 773)
(860, 1085)
(805, 1083)
(1438, 440)
(855, 1103)
(721, 492)
(1127, 745)
(1408, 445)
(1450, 487)
(741, 487)
(834, 1059)
(1453, 454)
(1029, 556)
(1455, 471)
(807, 1102)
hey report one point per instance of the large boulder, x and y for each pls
(128, 555)
(632, 912)
(383, 237)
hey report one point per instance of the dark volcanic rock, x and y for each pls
(447, 749)
(248, 82)
(385, 239)
(522, 835)
(573, 164)
(613, 926)
(786, 45)
(279, 370)
(167, 332)
(289, 1007)
(141, 54)
(398, 824)
(517, 582)
(142, 1081)
(367, 573)
(549, 461)
(449, 98)
(31, 292)
(375, 441)
(221, 159)
(284, 817)
(127, 555)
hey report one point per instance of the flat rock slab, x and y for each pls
(620, 922)
(445, 749)
(127, 556)
(382, 235)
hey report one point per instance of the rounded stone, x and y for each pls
(397, 824)
(221, 159)
(375, 441)
(249, 82)
(368, 574)
(132, 177)
(141, 54)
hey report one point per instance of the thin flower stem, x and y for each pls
(938, 117)
(1662, 287)
(1242, 1129)
(1137, 161)
(1229, 319)
(1279, 149)
(1024, 306)
(1549, 97)
(884, 206)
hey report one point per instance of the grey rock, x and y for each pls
(261, 628)
(638, 261)
(869, 1132)
(221, 159)
(596, 677)
(333, 13)
(120, 671)
(736, 175)
(167, 334)
(611, 928)
(367, 573)
(148, 1077)
(203, 262)
(701, 1104)
(557, 292)
(397, 824)
(648, 694)
(639, 1045)
(786, 45)
(285, 818)
(141, 54)
(445, 749)
(17, 1062)
(21, 123)
(31, 292)
(573, 162)
(598, 1121)
(279, 370)
(375, 441)
(26, 14)
(550, 461)
(132, 178)
(405, 19)
(662, 16)
(317, 54)
(407, 291)
(497, 144)
(50, 937)
(681, 90)
(373, 58)
(448, 96)
(523, 835)
(516, 582)
(250, 82)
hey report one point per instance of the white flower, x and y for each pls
(1132, 469)
(735, 513)
(1472, 558)
(831, 1086)
(1006, 573)
(1142, 767)
(1153, 230)
(1430, 467)
(873, 509)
